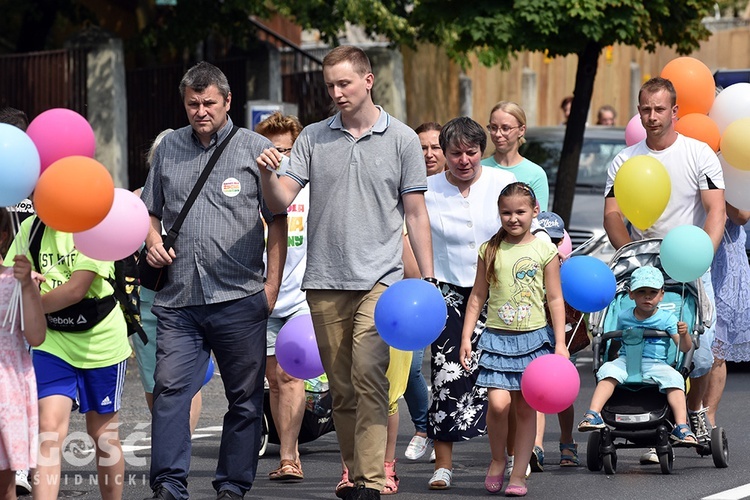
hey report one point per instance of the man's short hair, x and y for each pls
(353, 55)
(657, 84)
(203, 75)
(15, 117)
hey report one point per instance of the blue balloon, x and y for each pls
(588, 284)
(686, 253)
(19, 165)
(209, 371)
(410, 314)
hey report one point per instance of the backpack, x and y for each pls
(125, 285)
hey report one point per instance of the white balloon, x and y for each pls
(737, 185)
(731, 104)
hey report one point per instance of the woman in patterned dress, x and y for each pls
(462, 203)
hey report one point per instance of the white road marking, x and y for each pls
(737, 493)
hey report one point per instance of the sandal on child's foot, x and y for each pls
(682, 434)
(569, 455)
(537, 459)
(391, 479)
(345, 486)
(591, 421)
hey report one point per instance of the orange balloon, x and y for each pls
(74, 194)
(694, 84)
(700, 127)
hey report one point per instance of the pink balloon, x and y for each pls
(58, 133)
(550, 383)
(121, 233)
(566, 246)
(634, 131)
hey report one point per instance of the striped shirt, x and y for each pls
(220, 246)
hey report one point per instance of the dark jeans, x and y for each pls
(236, 333)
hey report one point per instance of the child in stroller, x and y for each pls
(647, 290)
(637, 415)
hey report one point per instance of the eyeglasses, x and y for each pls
(505, 130)
(283, 150)
(529, 272)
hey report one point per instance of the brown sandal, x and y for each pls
(289, 470)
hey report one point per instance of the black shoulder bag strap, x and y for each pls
(175, 230)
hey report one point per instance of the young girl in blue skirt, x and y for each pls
(514, 269)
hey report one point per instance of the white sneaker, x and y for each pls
(432, 456)
(417, 447)
(22, 483)
(649, 457)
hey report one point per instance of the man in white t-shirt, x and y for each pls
(697, 198)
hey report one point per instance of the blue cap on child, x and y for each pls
(646, 277)
(552, 223)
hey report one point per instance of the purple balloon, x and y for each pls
(297, 350)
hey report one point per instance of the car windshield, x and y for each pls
(596, 156)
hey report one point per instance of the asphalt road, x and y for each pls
(693, 477)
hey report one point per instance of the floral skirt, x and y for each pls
(459, 406)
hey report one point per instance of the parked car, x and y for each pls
(600, 145)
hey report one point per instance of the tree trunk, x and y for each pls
(565, 185)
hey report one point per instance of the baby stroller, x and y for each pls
(637, 415)
(317, 420)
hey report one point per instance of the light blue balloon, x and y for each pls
(19, 165)
(686, 253)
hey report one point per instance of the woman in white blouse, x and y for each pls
(462, 203)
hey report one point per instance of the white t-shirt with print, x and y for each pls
(692, 167)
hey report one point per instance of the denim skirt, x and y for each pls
(506, 354)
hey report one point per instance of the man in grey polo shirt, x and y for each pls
(216, 298)
(366, 172)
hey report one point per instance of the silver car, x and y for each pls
(600, 146)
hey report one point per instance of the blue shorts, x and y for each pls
(653, 370)
(97, 389)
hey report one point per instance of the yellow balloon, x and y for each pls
(734, 144)
(642, 189)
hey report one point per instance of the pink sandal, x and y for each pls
(345, 486)
(391, 479)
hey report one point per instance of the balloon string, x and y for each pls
(58, 262)
(682, 302)
(570, 342)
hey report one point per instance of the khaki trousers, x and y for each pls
(355, 359)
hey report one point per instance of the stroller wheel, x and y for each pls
(263, 436)
(593, 455)
(719, 447)
(666, 460)
(610, 463)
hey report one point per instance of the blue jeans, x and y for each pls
(416, 396)
(236, 333)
